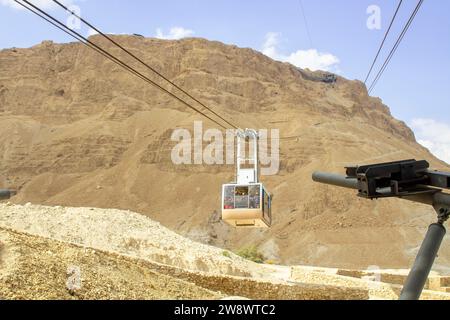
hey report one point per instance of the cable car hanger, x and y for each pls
(245, 202)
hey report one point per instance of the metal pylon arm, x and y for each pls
(247, 176)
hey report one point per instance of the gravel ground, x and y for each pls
(377, 290)
(106, 244)
(124, 232)
(36, 268)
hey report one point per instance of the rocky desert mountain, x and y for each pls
(76, 130)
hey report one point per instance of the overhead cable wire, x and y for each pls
(306, 23)
(143, 63)
(394, 49)
(44, 15)
(383, 42)
(58, 24)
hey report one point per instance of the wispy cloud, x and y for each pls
(91, 32)
(433, 135)
(311, 59)
(175, 33)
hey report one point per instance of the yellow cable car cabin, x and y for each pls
(246, 203)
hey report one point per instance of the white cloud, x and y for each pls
(91, 32)
(311, 59)
(433, 135)
(42, 4)
(175, 33)
(271, 44)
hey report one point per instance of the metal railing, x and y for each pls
(423, 264)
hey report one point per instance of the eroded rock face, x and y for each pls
(66, 83)
(77, 130)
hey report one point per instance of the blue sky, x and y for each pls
(415, 86)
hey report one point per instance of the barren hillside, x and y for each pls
(58, 253)
(76, 130)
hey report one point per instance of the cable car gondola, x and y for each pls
(246, 203)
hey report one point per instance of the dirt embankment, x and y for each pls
(39, 268)
(53, 256)
(78, 253)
